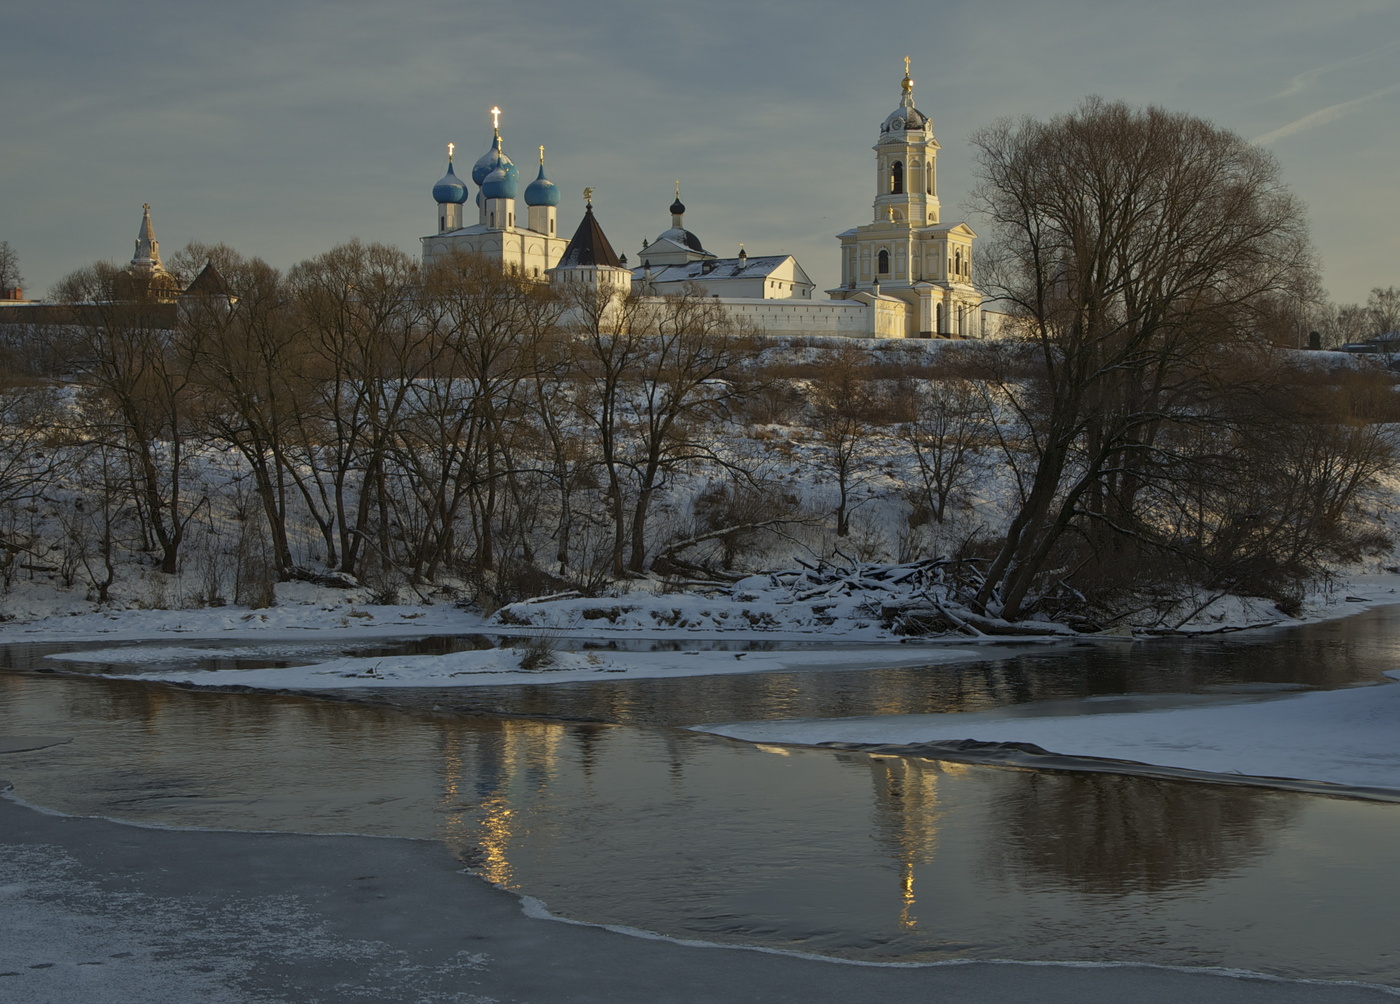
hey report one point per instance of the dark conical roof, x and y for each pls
(208, 283)
(589, 245)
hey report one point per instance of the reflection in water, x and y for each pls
(1107, 834)
(907, 815)
(873, 858)
(483, 780)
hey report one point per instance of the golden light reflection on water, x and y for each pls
(482, 783)
(907, 815)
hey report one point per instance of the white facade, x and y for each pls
(522, 238)
(906, 274)
(906, 251)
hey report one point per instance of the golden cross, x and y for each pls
(541, 153)
(450, 147)
(906, 66)
(678, 188)
(495, 117)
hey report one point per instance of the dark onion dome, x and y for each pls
(541, 191)
(678, 207)
(450, 190)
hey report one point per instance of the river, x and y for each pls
(594, 798)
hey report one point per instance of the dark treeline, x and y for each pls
(448, 425)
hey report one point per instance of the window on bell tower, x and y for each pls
(883, 266)
(897, 178)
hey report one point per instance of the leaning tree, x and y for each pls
(1135, 248)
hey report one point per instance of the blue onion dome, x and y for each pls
(503, 182)
(541, 191)
(489, 161)
(450, 188)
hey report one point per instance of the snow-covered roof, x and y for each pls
(756, 267)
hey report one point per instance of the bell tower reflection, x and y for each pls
(489, 773)
(907, 815)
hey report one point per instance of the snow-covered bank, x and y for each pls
(302, 609)
(1345, 737)
(502, 666)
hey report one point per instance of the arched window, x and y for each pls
(884, 263)
(897, 178)
(929, 176)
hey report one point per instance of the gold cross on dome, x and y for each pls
(450, 148)
(495, 117)
(541, 153)
(906, 66)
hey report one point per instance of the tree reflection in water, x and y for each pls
(1107, 834)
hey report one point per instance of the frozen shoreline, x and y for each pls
(1338, 737)
(107, 912)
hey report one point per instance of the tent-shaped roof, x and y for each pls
(589, 245)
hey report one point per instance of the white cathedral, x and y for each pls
(906, 274)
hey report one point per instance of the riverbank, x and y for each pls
(109, 913)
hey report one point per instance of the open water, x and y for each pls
(593, 798)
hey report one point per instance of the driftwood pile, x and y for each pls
(915, 599)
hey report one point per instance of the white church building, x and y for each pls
(905, 274)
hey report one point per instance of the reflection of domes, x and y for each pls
(450, 188)
(541, 191)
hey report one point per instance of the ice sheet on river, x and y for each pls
(1345, 737)
(502, 666)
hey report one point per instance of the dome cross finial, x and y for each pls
(450, 148)
(541, 153)
(496, 118)
(908, 82)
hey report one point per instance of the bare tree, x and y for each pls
(361, 309)
(843, 402)
(1135, 248)
(138, 396)
(10, 277)
(1383, 309)
(680, 387)
(249, 360)
(948, 427)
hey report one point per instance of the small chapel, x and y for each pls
(905, 274)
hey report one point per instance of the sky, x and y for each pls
(285, 127)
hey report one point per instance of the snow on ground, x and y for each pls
(301, 609)
(502, 666)
(1347, 737)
